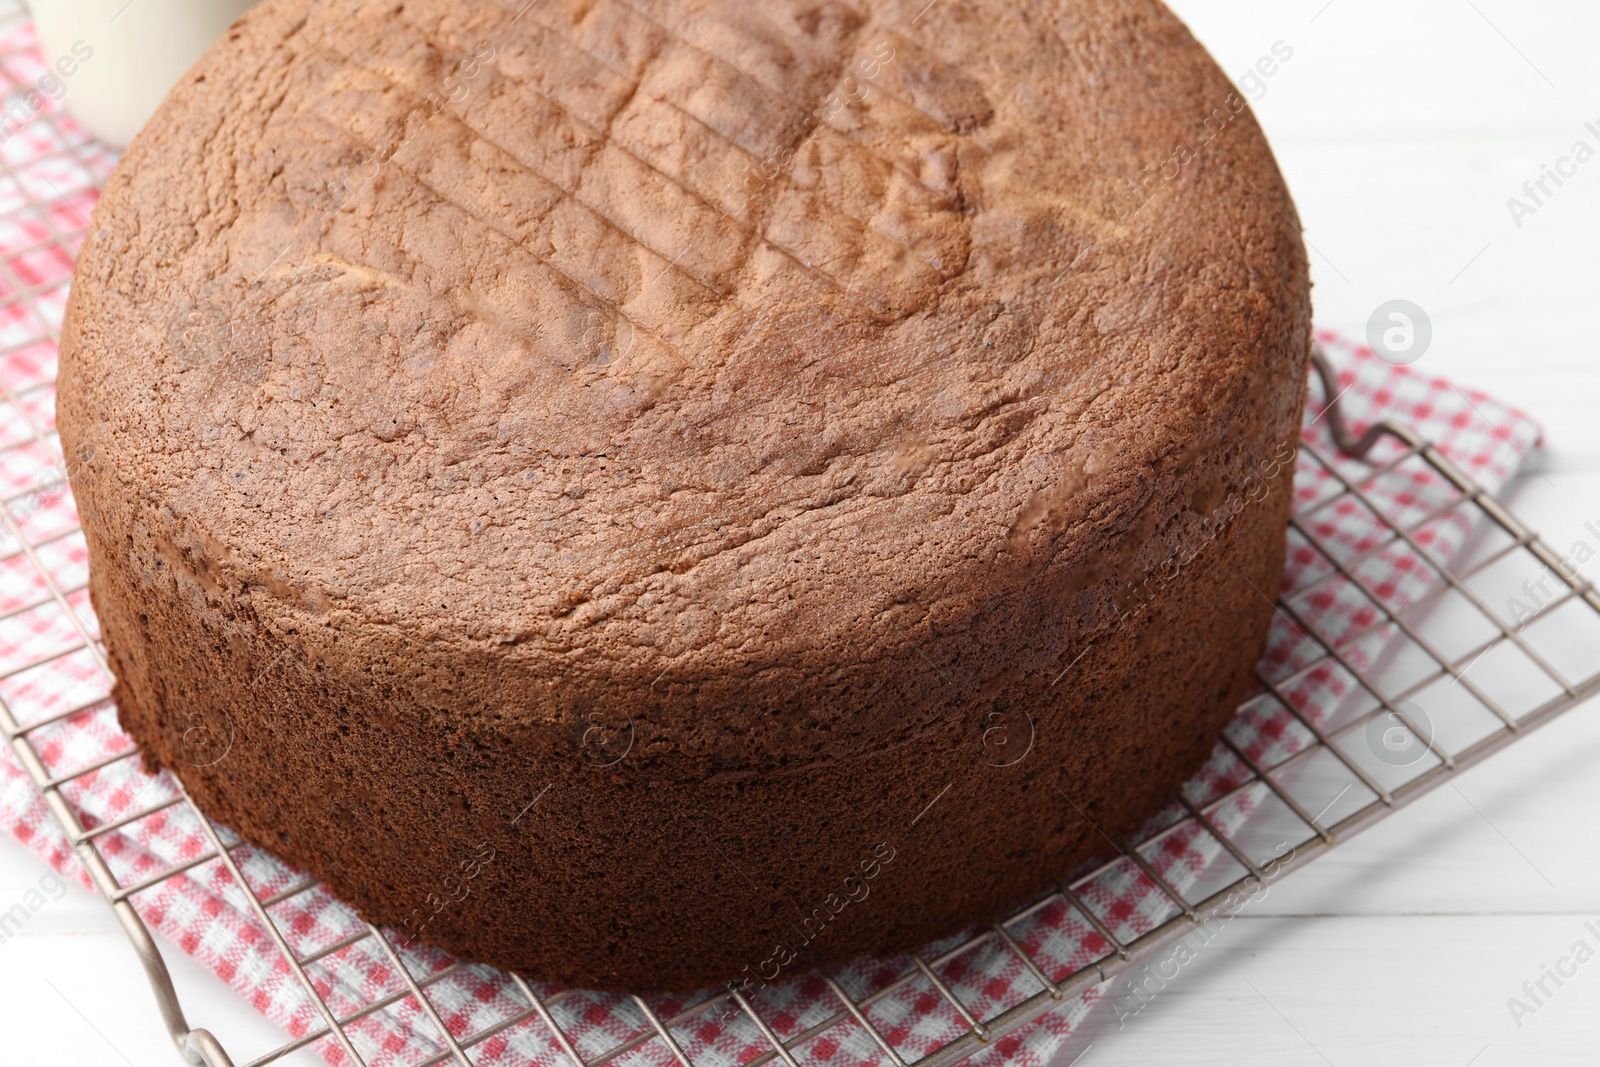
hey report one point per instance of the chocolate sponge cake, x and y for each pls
(656, 493)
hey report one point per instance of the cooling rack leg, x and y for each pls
(201, 1047)
(196, 1046)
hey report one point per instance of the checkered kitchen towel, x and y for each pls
(47, 668)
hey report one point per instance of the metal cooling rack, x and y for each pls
(1328, 761)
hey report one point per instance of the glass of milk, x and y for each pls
(111, 62)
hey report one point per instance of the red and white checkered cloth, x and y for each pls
(44, 206)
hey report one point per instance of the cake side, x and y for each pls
(601, 875)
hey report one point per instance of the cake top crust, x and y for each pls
(675, 347)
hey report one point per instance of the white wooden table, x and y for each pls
(1403, 126)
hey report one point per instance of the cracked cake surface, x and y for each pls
(714, 420)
